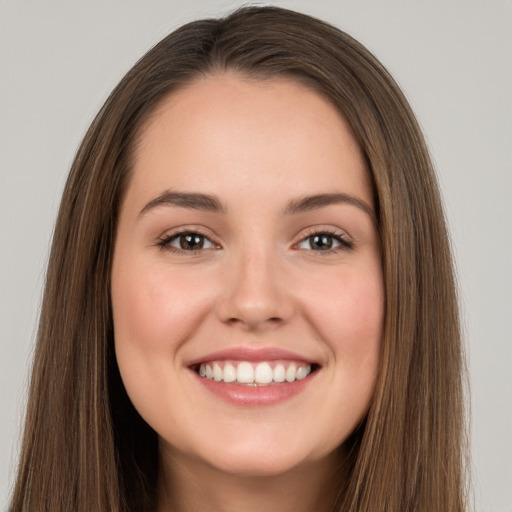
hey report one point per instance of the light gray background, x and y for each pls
(60, 59)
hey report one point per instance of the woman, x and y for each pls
(250, 298)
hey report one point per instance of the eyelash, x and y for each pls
(164, 242)
(344, 243)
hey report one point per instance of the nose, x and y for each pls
(255, 294)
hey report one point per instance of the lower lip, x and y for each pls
(254, 396)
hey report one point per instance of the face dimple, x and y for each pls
(239, 272)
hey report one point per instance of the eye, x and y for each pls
(186, 241)
(324, 242)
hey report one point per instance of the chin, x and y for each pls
(263, 457)
(255, 466)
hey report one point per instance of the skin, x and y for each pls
(256, 146)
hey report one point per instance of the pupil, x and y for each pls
(321, 242)
(191, 242)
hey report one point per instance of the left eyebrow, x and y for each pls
(308, 203)
(185, 200)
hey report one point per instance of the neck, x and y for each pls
(191, 485)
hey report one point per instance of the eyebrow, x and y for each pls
(191, 200)
(309, 203)
(206, 202)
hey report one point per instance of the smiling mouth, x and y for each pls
(245, 373)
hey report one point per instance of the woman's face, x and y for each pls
(247, 285)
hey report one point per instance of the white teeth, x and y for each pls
(279, 373)
(262, 373)
(245, 373)
(229, 373)
(290, 373)
(302, 372)
(217, 372)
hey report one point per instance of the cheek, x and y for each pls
(348, 310)
(155, 312)
(155, 309)
(349, 318)
(153, 318)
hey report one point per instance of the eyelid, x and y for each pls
(188, 228)
(167, 236)
(345, 241)
(177, 238)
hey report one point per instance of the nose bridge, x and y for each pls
(255, 291)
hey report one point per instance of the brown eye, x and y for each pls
(188, 241)
(191, 242)
(321, 242)
(324, 242)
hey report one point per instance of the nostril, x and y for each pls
(255, 323)
(254, 305)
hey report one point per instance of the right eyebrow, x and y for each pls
(185, 200)
(315, 202)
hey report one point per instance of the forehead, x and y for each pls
(226, 130)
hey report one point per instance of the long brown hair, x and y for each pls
(86, 448)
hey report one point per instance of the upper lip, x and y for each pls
(251, 355)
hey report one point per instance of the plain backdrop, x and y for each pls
(59, 59)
